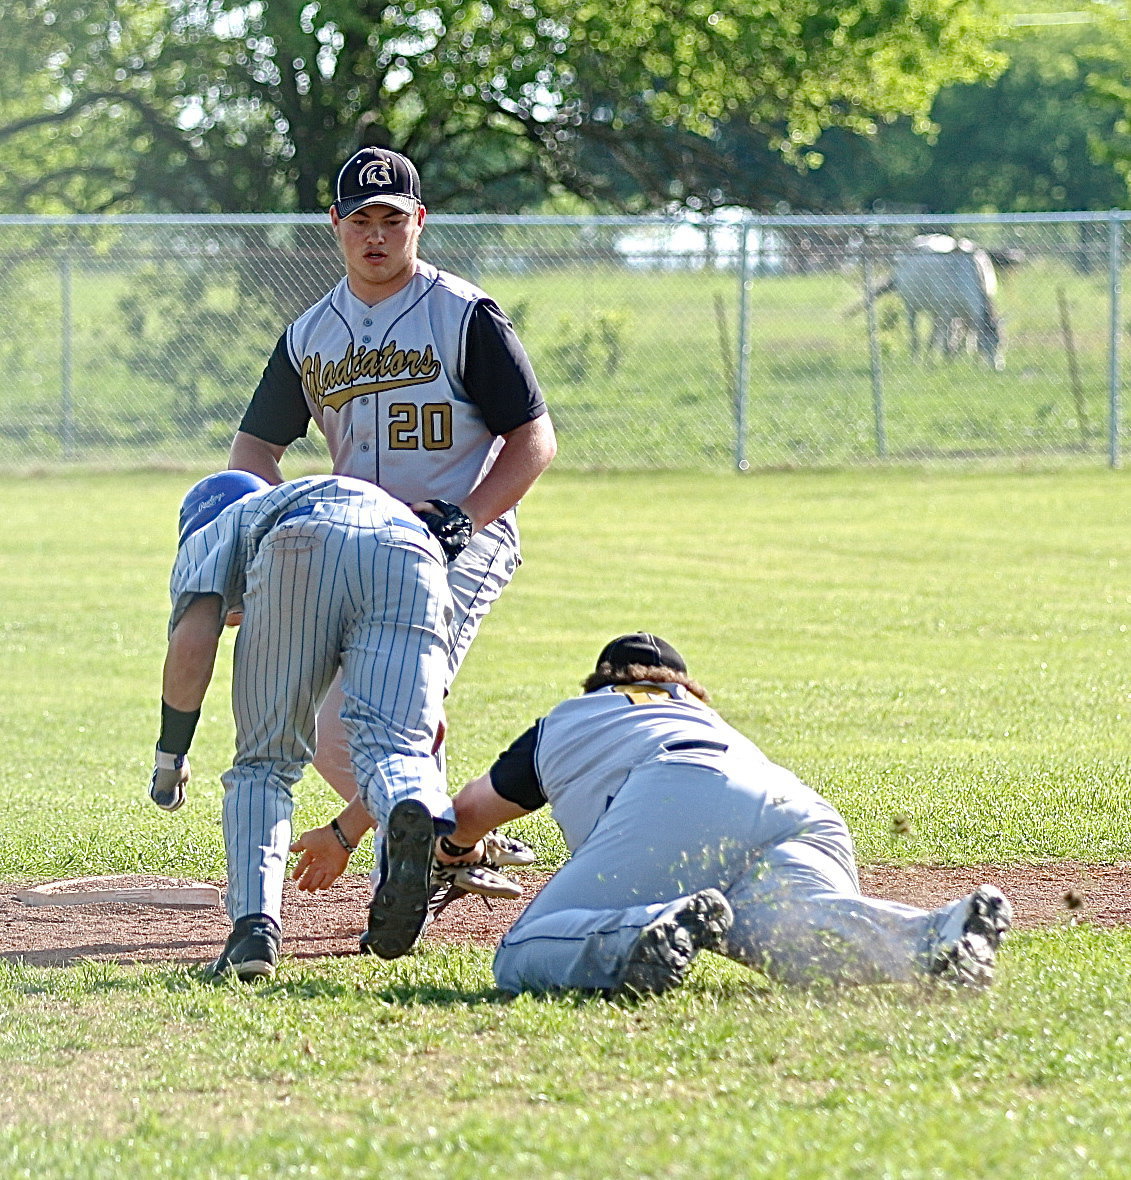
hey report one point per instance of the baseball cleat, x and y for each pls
(399, 909)
(252, 950)
(965, 944)
(665, 948)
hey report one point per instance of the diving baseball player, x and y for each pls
(420, 386)
(685, 836)
(325, 571)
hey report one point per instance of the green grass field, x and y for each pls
(952, 646)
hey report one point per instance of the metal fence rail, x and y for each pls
(748, 342)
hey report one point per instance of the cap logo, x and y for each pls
(377, 173)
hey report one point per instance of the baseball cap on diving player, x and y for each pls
(640, 647)
(205, 500)
(377, 176)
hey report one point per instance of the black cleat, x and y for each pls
(666, 947)
(252, 949)
(398, 912)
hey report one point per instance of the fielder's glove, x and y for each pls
(450, 525)
(168, 781)
(482, 878)
(501, 850)
(479, 878)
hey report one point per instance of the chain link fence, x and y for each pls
(746, 342)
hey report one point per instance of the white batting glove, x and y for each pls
(169, 779)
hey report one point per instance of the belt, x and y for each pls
(294, 513)
(307, 509)
(696, 744)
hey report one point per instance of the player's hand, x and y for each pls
(475, 855)
(323, 859)
(496, 850)
(168, 781)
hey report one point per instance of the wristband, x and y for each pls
(177, 729)
(450, 849)
(336, 828)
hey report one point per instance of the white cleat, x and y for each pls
(965, 943)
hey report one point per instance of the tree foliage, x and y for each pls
(1038, 138)
(205, 105)
(1107, 61)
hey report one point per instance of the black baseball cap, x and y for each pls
(377, 176)
(640, 647)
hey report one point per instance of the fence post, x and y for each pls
(742, 368)
(1115, 283)
(874, 359)
(66, 360)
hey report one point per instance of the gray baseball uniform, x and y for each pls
(658, 798)
(329, 571)
(412, 394)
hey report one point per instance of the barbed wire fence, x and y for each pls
(740, 342)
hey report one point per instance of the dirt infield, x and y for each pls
(328, 923)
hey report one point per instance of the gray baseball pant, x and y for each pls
(476, 579)
(781, 855)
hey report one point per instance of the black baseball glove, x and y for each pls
(450, 525)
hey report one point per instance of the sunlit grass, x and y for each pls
(952, 647)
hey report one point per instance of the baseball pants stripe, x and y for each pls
(786, 864)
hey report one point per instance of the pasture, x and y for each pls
(947, 645)
(144, 347)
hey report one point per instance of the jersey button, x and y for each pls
(364, 401)
(367, 323)
(365, 446)
(365, 339)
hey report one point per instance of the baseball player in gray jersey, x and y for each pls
(420, 385)
(685, 836)
(325, 572)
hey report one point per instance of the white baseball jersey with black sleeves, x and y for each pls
(330, 573)
(413, 394)
(390, 387)
(579, 755)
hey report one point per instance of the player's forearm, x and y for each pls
(480, 809)
(525, 454)
(354, 821)
(256, 455)
(191, 655)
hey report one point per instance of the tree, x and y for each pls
(1108, 79)
(218, 105)
(1032, 140)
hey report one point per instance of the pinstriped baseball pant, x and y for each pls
(476, 579)
(338, 588)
